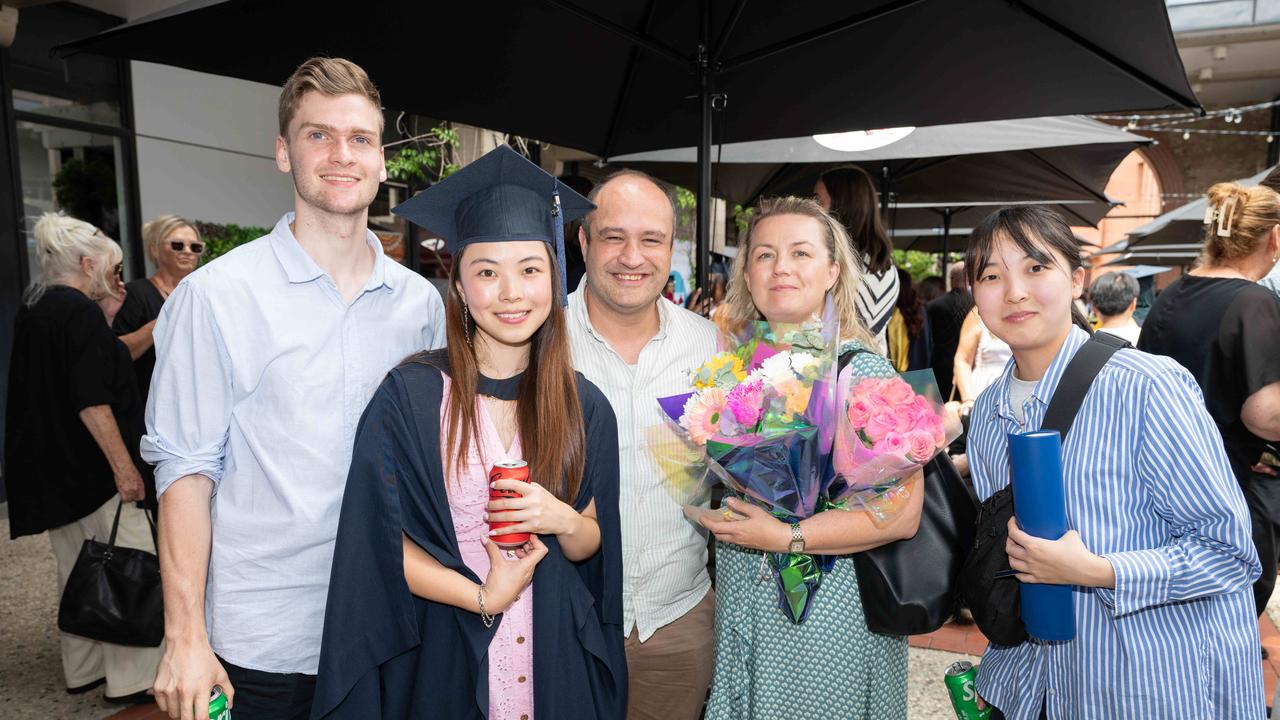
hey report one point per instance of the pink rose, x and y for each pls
(894, 443)
(859, 413)
(879, 425)
(897, 392)
(920, 446)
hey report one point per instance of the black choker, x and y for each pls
(505, 389)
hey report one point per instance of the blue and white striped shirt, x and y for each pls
(1148, 487)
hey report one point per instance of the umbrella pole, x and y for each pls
(703, 242)
(946, 235)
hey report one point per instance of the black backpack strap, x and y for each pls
(1076, 380)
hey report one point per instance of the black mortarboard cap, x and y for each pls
(499, 197)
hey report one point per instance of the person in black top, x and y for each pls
(175, 247)
(946, 316)
(1225, 328)
(74, 427)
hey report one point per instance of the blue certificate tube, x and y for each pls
(1039, 504)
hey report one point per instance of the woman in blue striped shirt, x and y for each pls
(1159, 551)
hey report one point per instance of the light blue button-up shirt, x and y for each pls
(262, 373)
(1148, 487)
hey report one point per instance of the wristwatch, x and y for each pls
(797, 539)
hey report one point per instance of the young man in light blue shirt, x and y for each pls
(266, 359)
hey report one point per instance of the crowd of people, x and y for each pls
(320, 426)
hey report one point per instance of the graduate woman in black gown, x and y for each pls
(425, 616)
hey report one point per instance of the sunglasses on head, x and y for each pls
(179, 246)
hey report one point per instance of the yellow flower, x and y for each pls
(720, 371)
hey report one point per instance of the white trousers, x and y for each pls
(127, 669)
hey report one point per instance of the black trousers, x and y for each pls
(270, 696)
(1262, 519)
(997, 715)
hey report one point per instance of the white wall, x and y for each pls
(206, 147)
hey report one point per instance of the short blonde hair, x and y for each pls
(61, 241)
(740, 309)
(329, 76)
(1252, 212)
(155, 232)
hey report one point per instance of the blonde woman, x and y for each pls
(75, 421)
(175, 247)
(831, 665)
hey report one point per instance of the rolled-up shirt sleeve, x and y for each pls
(189, 407)
(1209, 550)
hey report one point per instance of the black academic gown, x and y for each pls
(389, 654)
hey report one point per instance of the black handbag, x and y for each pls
(113, 594)
(987, 584)
(908, 586)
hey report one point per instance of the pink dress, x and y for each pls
(511, 650)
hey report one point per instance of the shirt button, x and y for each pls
(520, 679)
(520, 640)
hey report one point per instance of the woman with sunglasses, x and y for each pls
(175, 247)
(74, 424)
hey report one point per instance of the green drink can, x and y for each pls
(960, 679)
(218, 709)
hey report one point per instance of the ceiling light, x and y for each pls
(862, 140)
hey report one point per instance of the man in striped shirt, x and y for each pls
(637, 346)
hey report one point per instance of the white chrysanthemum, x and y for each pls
(803, 362)
(777, 368)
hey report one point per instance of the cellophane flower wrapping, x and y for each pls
(763, 414)
(886, 429)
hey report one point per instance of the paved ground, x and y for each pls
(31, 673)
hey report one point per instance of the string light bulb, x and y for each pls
(1186, 134)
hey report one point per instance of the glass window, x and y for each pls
(81, 87)
(78, 173)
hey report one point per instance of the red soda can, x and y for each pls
(506, 470)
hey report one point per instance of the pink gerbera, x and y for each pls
(702, 415)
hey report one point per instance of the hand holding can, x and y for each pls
(506, 470)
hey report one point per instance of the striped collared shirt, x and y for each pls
(1148, 487)
(664, 555)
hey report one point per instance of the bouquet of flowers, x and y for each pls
(775, 423)
(886, 430)
(763, 415)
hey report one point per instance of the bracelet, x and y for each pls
(485, 617)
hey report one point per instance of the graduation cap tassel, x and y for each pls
(557, 222)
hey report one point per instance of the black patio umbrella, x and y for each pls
(940, 176)
(617, 76)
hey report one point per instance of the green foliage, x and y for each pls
(429, 158)
(742, 216)
(221, 238)
(919, 265)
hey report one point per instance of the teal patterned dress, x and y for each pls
(829, 666)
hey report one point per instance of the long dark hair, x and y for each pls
(1038, 232)
(549, 421)
(910, 304)
(854, 202)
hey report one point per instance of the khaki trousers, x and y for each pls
(671, 671)
(127, 669)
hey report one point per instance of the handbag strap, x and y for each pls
(115, 525)
(1077, 379)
